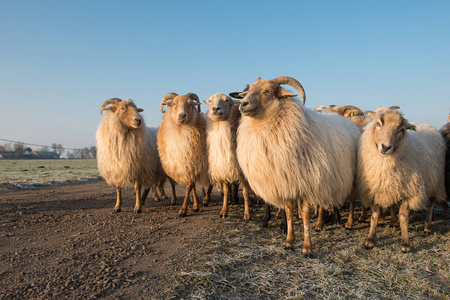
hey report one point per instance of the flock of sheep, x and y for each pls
(281, 152)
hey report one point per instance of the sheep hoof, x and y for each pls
(308, 255)
(117, 210)
(406, 248)
(319, 229)
(173, 203)
(205, 204)
(181, 215)
(265, 224)
(427, 231)
(289, 247)
(369, 245)
(348, 227)
(195, 210)
(137, 211)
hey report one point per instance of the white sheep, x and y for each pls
(397, 166)
(126, 150)
(287, 152)
(182, 144)
(222, 120)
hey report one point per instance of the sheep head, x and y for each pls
(182, 108)
(220, 106)
(389, 130)
(262, 93)
(325, 107)
(126, 111)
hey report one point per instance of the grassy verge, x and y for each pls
(245, 261)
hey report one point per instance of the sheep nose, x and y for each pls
(138, 121)
(182, 115)
(215, 109)
(244, 103)
(385, 148)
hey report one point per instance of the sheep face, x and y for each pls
(260, 96)
(126, 111)
(219, 107)
(183, 109)
(325, 107)
(389, 131)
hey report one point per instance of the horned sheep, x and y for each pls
(402, 167)
(127, 152)
(182, 144)
(288, 152)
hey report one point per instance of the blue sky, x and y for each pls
(59, 60)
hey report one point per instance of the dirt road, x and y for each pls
(64, 242)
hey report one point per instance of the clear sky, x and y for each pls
(59, 60)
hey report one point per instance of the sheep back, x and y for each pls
(413, 172)
(297, 152)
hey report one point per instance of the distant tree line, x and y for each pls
(85, 153)
(19, 148)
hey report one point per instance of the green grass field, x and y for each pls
(26, 173)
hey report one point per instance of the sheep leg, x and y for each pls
(381, 217)
(320, 219)
(224, 211)
(404, 221)
(299, 205)
(118, 207)
(351, 214)
(336, 215)
(138, 206)
(194, 196)
(144, 195)
(289, 243)
(283, 223)
(161, 190)
(155, 193)
(394, 216)
(278, 213)
(207, 196)
(183, 209)
(372, 238)
(316, 211)
(235, 192)
(174, 194)
(363, 216)
(267, 215)
(247, 213)
(429, 218)
(306, 216)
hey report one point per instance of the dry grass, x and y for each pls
(248, 262)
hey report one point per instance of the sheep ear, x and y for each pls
(285, 94)
(207, 101)
(243, 94)
(140, 109)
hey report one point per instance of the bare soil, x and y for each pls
(64, 242)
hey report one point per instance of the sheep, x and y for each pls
(222, 120)
(445, 132)
(126, 150)
(396, 166)
(182, 144)
(288, 152)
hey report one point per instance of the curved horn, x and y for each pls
(169, 96)
(108, 102)
(292, 82)
(195, 98)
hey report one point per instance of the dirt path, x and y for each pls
(64, 242)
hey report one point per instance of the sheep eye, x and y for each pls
(123, 108)
(379, 124)
(269, 92)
